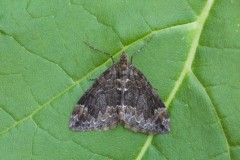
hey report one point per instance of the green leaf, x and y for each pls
(193, 60)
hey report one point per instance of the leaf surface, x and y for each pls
(193, 60)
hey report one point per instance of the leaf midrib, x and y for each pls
(187, 66)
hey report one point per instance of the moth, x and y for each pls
(122, 94)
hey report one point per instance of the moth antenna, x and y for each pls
(108, 54)
(140, 49)
(128, 108)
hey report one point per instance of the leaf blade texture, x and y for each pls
(193, 61)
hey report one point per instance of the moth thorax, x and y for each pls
(123, 69)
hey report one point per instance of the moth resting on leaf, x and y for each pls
(122, 94)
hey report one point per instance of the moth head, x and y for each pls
(123, 58)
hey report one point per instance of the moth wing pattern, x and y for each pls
(96, 110)
(122, 94)
(143, 110)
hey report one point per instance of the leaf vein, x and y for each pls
(188, 64)
(37, 55)
(216, 112)
(8, 113)
(92, 151)
(99, 21)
